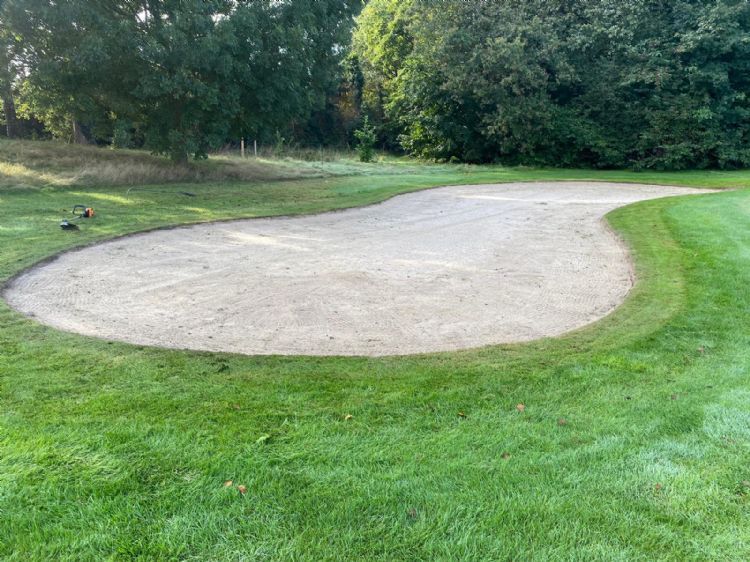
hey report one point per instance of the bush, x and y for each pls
(366, 139)
(121, 134)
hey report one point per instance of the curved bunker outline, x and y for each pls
(378, 212)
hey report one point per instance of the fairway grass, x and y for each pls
(633, 442)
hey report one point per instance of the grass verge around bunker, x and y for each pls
(632, 444)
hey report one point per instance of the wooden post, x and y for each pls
(242, 147)
(255, 148)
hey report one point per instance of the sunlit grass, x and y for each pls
(38, 164)
(633, 443)
(119, 199)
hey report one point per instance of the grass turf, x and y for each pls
(633, 443)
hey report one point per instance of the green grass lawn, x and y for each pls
(634, 443)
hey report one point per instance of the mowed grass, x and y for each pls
(633, 443)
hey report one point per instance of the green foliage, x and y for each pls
(644, 84)
(381, 46)
(122, 136)
(192, 74)
(279, 142)
(334, 123)
(366, 139)
(9, 72)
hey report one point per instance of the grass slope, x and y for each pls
(633, 444)
(39, 164)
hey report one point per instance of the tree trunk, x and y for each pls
(7, 74)
(78, 136)
(9, 109)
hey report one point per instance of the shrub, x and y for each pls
(121, 134)
(366, 139)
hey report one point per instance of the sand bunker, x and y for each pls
(442, 269)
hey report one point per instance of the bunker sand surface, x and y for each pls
(436, 270)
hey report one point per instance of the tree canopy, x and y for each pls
(596, 83)
(603, 83)
(184, 74)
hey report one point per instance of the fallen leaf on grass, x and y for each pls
(461, 415)
(227, 483)
(348, 417)
(658, 487)
(562, 421)
(242, 489)
(505, 455)
(521, 407)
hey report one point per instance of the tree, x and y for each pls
(188, 73)
(366, 139)
(381, 46)
(597, 83)
(8, 76)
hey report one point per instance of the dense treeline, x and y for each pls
(178, 76)
(605, 83)
(601, 83)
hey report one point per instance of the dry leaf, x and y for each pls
(505, 455)
(348, 417)
(242, 489)
(521, 407)
(562, 421)
(658, 487)
(227, 483)
(461, 415)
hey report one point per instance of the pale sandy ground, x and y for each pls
(443, 269)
